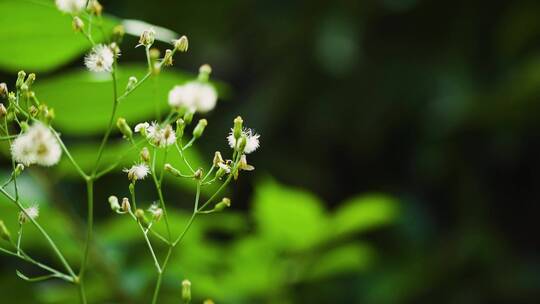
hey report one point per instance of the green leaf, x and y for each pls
(38, 37)
(341, 260)
(364, 212)
(290, 218)
(83, 100)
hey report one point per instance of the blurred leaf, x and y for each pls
(83, 100)
(344, 259)
(364, 212)
(38, 37)
(290, 218)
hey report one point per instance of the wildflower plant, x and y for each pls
(27, 125)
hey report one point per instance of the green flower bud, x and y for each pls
(224, 203)
(198, 174)
(237, 131)
(77, 24)
(172, 170)
(241, 145)
(124, 127)
(145, 155)
(3, 111)
(180, 125)
(3, 90)
(20, 79)
(204, 72)
(147, 37)
(199, 129)
(168, 59)
(113, 202)
(188, 117)
(181, 44)
(18, 170)
(126, 206)
(141, 217)
(186, 291)
(30, 80)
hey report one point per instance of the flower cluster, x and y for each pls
(100, 59)
(37, 145)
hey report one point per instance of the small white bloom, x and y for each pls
(100, 59)
(156, 212)
(71, 6)
(252, 140)
(160, 137)
(194, 95)
(142, 126)
(137, 172)
(31, 212)
(225, 167)
(37, 145)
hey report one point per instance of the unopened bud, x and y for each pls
(4, 232)
(118, 33)
(224, 203)
(186, 291)
(145, 155)
(147, 37)
(33, 110)
(204, 72)
(95, 7)
(154, 54)
(188, 116)
(131, 83)
(24, 88)
(180, 125)
(115, 49)
(199, 129)
(113, 202)
(124, 127)
(217, 159)
(172, 170)
(3, 111)
(3, 90)
(30, 79)
(20, 79)
(241, 145)
(49, 115)
(181, 44)
(237, 131)
(168, 59)
(198, 174)
(141, 217)
(78, 24)
(126, 206)
(24, 126)
(18, 170)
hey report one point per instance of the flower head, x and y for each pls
(37, 145)
(100, 59)
(137, 171)
(157, 135)
(252, 140)
(195, 95)
(156, 212)
(31, 212)
(71, 6)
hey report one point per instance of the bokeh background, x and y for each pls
(399, 158)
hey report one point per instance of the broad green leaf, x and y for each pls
(291, 218)
(37, 37)
(345, 259)
(83, 100)
(364, 212)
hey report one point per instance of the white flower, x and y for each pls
(252, 140)
(100, 59)
(37, 145)
(194, 95)
(137, 171)
(71, 6)
(158, 136)
(156, 212)
(31, 212)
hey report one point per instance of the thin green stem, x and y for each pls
(160, 276)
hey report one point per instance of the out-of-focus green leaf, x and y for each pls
(83, 100)
(290, 218)
(364, 212)
(348, 258)
(38, 37)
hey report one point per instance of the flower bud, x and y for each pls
(217, 159)
(33, 110)
(24, 126)
(168, 59)
(3, 90)
(141, 217)
(157, 213)
(224, 203)
(95, 7)
(145, 155)
(237, 131)
(4, 232)
(180, 125)
(186, 291)
(188, 116)
(172, 170)
(30, 79)
(118, 33)
(147, 37)
(154, 54)
(241, 145)
(115, 49)
(77, 24)
(199, 129)
(181, 44)
(20, 79)
(18, 170)
(113, 202)
(131, 83)
(3, 111)
(126, 206)
(204, 72)
(124, 127)
(49, 115)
